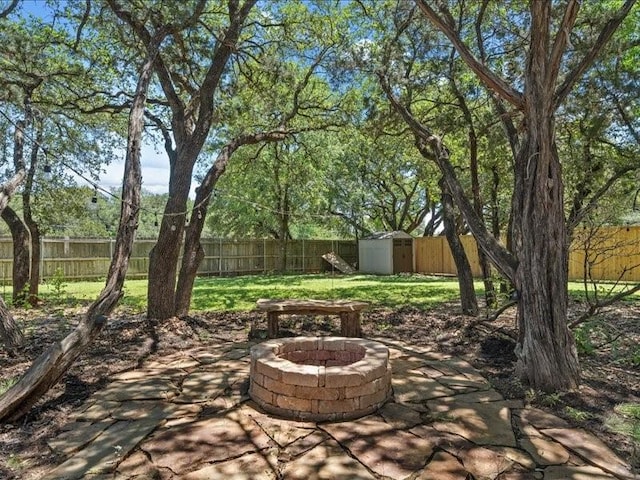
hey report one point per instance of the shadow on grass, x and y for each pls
(241, 293)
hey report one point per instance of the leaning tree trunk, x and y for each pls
(192, 256)
(193, 252)
(468, 300)
(485, 266)
(21, 254)
(52, 364)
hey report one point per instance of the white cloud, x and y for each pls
(155, 172)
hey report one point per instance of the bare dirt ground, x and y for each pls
(611, 373)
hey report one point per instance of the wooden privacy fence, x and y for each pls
(607, 253)
(611, 253)
(78, 259)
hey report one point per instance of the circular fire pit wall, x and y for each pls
(320, 378)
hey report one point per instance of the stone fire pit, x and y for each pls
(320, 378)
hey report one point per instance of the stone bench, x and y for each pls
(348, 310)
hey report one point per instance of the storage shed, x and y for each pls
(386, 253)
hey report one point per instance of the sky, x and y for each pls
(155, 172)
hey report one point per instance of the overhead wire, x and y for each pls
(186, 213)
(96, 185)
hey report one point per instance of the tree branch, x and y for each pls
(607, 32)
(10, 8)
(500, 256)
(562, 39)
(490, 79)
(593, 309)
(577, 215)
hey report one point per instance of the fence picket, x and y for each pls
(82, 259)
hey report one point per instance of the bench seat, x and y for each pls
(348, 310)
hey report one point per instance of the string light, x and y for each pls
(47, 170)
(197, 207)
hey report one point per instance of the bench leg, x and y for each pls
(350, 324)
(272, 324)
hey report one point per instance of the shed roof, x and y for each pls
(385, 235)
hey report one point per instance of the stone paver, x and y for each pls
(253, 466)
(443, 466)
(188, 416)
(590, 448)
(106, 451)
(485, 423)
(380, 447)
(327, 461)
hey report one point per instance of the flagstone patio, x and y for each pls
(188, 416)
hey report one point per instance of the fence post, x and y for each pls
(220, 257)
(41, 265)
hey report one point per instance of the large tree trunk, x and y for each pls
(546, 350)
(164, 256)
(49, 367)
(21, 254)
(468, 300)
(10, 334)
(547, 354)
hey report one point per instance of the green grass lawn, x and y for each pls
(240, 293)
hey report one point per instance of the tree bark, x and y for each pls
(546, 351)
(49, 367)
(163, 258)
(10, 334)
(468, 300)
(21, 254)
(547, 355)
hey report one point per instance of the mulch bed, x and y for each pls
(610, 371)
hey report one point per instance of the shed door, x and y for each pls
(402, 255)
